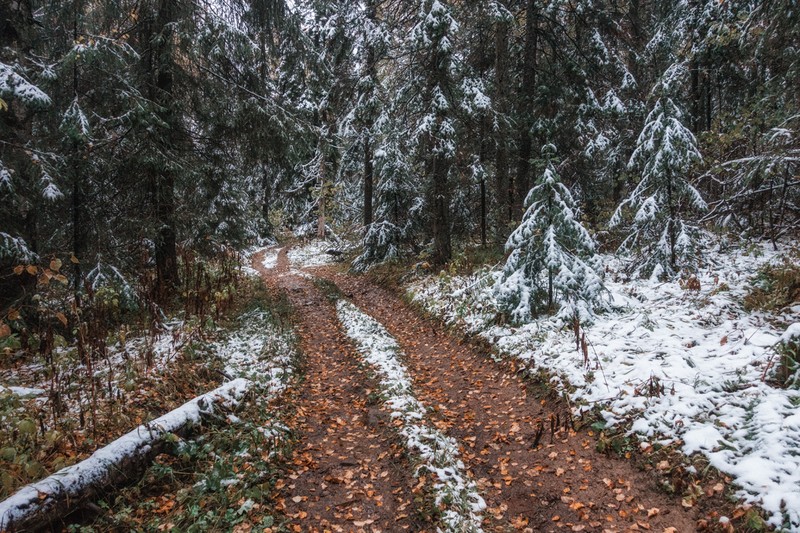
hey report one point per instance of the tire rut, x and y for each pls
(347, 472)
(562, 484)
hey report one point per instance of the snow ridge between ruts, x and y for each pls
(437, 452)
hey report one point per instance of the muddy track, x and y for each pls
(347, 472)
(535, 473)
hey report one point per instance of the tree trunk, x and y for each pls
(368, 175)
(78, 234)
(321, 210)
(671, 224)
(696, 97)
(503, 187)
(36, 505)
(483, 211)
(441, 207)
(77, 152)
(527, 92)
(166, 248)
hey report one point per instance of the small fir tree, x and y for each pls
(665, 151)
(553, 257)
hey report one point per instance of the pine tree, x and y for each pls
(665, 152)
(552, 261)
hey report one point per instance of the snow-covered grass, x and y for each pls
(257, 357)
(675, 363)
(313, 253)
(259, 351)
(437, 453)
(271, 258)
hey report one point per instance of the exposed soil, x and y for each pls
(348, 472)
(562, 483)
(534, 471)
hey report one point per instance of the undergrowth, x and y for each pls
(224, 478)
(776, 286)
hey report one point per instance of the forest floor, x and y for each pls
(370, 414)
(516, 441)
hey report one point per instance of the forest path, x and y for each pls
(347, 473)
(563, 484)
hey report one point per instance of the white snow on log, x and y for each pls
(437, 452)
(23, 392)
(70, 483)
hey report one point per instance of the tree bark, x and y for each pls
(321, 211)
(527, 92)
(164, 185)
(368, 175)
(441, 207)
(502, 184)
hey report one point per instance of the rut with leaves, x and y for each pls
(348, 471)
(534, 471)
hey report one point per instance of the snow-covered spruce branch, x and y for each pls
(39, 503)
(437, 453)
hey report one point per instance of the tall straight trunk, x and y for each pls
(321, 210)
(164, 183)
(482, 158)
(671, 224)
(442, 250)
(696, 97)
(502, 184)
(527, 92)
(368, 175)
(371, 10)
(78, 238)
(78, 233)
(483, 211)
(266, 202)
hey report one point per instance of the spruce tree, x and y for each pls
(661, 239)
(552, 265)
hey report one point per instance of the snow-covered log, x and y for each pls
(45, 501)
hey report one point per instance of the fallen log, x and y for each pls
(43, 502)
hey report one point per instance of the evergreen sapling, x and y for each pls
(552, 264)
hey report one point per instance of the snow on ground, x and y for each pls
(23, 392)
(31, 379)
(271, 258)
(438, 453)
(312, 253)
(679, 364)
(259, 352)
